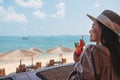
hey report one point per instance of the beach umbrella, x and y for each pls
(60, 50)
(21, 54)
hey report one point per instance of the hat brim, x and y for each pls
(105, 20)
(91, 17)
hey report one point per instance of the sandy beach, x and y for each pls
(10, 63)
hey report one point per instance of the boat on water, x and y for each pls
(60, 72)
(25, 38)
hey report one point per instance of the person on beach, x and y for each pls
(100, 61)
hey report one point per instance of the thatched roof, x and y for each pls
(20, 54)
(60, 50)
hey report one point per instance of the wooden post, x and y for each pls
(20, 61)
(32, 63)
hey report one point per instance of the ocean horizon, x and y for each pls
(10, 43)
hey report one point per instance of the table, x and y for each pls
(57, 62)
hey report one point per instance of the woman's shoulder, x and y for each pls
(94, 47)
(97, 49)
(90, 47)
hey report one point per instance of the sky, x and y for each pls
(50, 17)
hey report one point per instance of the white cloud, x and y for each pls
(2, 11)
(96, 5)
(30, 3)
(11, 15)
(61, 10)
(1, 1)
(39, 14)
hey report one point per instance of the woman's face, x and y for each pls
(95, 32)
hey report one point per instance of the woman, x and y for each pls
(101, 61)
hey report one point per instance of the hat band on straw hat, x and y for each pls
(111, 25)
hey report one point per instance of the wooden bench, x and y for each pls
(21, 68)
(2, 72)
(38, 65)
(64, 60)
(51, 63)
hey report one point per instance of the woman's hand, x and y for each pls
(75, 57)
(78, 50)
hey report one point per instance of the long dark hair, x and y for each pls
(112, 41)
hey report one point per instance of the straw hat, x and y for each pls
(110, 19)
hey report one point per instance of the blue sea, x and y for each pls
(9, 43)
